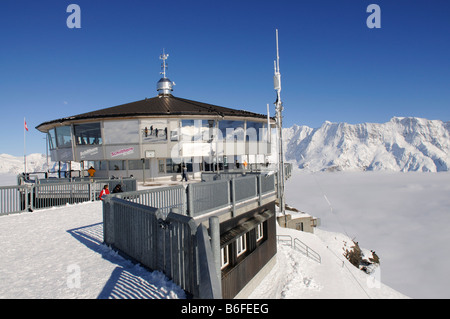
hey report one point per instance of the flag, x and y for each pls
(25, 123)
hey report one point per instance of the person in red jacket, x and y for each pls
(105, 191)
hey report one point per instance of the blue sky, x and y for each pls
(333, 66)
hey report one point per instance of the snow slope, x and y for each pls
(402, 144)
(295, 276)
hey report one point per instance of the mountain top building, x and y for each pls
(155, 137)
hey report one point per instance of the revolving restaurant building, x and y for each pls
(154, 137)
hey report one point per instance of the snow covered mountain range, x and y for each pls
(402, 144)
(36, 162)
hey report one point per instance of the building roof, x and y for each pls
(167, 105)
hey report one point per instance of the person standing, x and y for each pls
(91, 171)
(184, 173)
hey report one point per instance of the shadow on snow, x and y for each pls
(128, 280)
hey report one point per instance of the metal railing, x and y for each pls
(28, 197)
(163, 198)
(194, 200)
(15, 199)
(173, 244)
(300, 246)
(50, 195)
(201, 198)
(206, 197)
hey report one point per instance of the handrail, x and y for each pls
(288, 239)
(300, 246)
(309, 252)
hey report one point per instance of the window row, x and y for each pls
(240, 246)
(169, 165)
(155, 131)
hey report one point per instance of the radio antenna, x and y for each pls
(163, 57)
(279, 119)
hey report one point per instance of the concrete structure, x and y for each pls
(300, 221)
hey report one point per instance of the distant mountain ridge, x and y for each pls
(402, 144)
(36, 162)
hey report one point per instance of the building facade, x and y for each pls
(156, 137)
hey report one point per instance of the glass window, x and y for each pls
(100, 165)
(154, 131)
(117, 165)
(232, 130)
(254, 131)
(52, 139)
(197, 130)
(259, 232)
(224, 257)
(174, 136)
(187, 130)
(207, 130)
(63, 136)
(161, 166)
(174, 131)
(241, 245)
(88, 134)
(137, 164)
(173, 165)
(169, 167)
(192, 130)
(121, 132)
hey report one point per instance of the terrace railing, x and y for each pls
(163, 198)
(172, 243)
(29, 197)
(228, 194)
(15, 199)
(195, 200)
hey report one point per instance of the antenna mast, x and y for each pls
(279, 119)
(163, 57)
(164, 85)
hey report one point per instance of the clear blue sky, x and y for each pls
(333, 66)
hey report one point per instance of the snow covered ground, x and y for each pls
(58, 252)
(295, 276)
